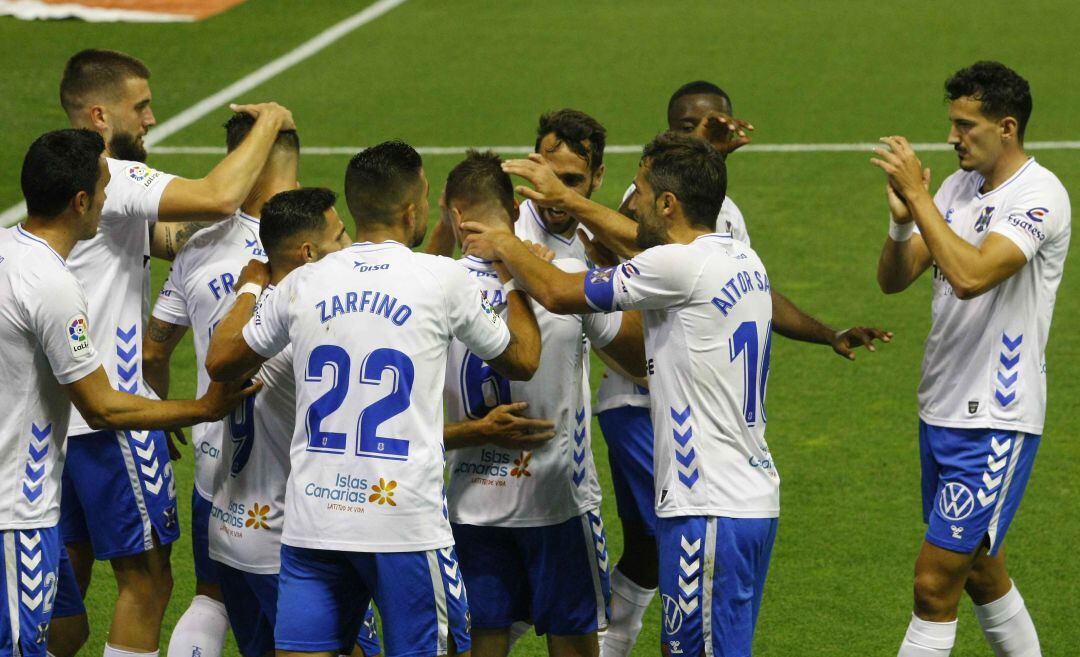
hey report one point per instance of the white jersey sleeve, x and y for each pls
(135, 190)
(472, 319)
(1034, 217)
(57, 313)
(267, 332)
(653, 279)
(172, 306)
(600, 328)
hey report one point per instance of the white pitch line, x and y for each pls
(619, 149)
(247, 83)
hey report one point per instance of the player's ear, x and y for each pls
(1010, 129)
(516, 212)
(667, 202)
(98, 117)
(598, 178)
(308, 252)
(410, 217)
(80, 203)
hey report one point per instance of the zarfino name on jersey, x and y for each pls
(985, 361)
(707, 311)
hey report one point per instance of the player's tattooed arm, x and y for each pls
(167, 239)
(159, 342)
(504, 426)
(791, 322)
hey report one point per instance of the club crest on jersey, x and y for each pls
(984, 219)
(143, 174)
(1037, 214)
(79, 336)
(956, 501)
(598, 276)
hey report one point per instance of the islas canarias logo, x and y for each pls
(521, 465)
(257, 516)
(383, 492)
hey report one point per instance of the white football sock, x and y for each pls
(928, 639)
(200, 632)
(517, 630)
(117, 652)
(1007, 626)
(628, 605)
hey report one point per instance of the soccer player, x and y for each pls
(527, 523)
(707, 310)
(119, 499)
(704, 110)
(51, 362)
(996, 233)
(197, 294)
(370, 327)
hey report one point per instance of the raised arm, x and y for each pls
(521, 358)
(615, 231)
(970, 270)
(229, 357)
(221, 191)
(167, 238)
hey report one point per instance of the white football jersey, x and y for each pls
(707, 311)
(370, 328)
(114, 269)
(199, 293)
(248, 513)
(556, 481)
(985, 360)
(45, 341)
(615, 389)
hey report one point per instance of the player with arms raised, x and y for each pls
(48, 355)
(370, 327)
(996, 234)
(706, 304)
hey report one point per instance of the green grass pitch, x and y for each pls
(473, 72)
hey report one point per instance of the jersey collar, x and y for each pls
(1030, 161)
(21, 232)
(540, 222)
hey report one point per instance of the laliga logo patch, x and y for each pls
(78, 336)
(673, 616)
(488, 310)
(629, 270)
(143, 174)
(1037, 214)
(956, 501)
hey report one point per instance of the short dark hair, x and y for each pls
(380, 179)
(94, 71)
(59, 165)
(239, 125)
(691, 169)
(580, 132)
(1000, 89)
(478, 179)
(292, 213)
(697, 88)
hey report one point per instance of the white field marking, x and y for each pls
(247, 83)
(618, 149)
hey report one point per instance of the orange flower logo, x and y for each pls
(257, 516)
(384, 492)
(521, 465)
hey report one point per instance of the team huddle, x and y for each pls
(383, 432)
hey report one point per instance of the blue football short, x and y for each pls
(554, 576)
(712, 576)
(207, 570)
(251, 603)
(29, 565)
(69, 600)
(628, 431)
(118, 493)
(324, 596)
(972, 484)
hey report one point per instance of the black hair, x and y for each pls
(580, 132)
(691, 169)
(697, 88)
(1000, 89)
(381, 179)
(96, 71)
(239, 125)
(292, 213)
(59, 165)
(478, 179)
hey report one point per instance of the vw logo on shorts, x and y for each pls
(672, 614)
(956, 501)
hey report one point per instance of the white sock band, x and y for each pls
(629, 602)
(111, 651)
(928, 639)
(1007, 626)
(201, 630)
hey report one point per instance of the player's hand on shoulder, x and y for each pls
(221, 398)
(505, 427)
(271, 111)
(725, 133)
(255, 271)
(846, 342)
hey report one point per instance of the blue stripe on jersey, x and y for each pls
(600, 289)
